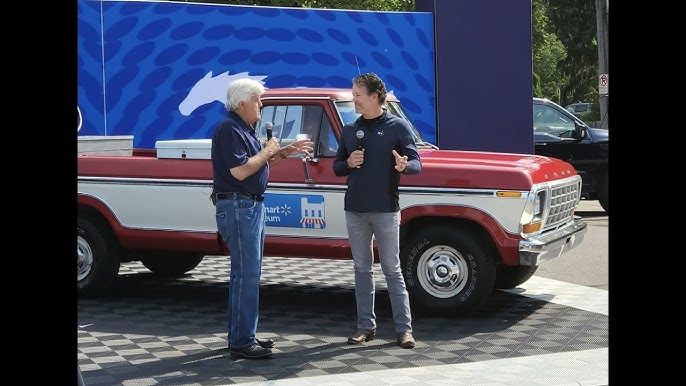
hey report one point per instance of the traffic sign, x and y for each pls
(603, 84)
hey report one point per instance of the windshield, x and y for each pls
(346, 110)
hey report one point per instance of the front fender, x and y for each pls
(507, 244)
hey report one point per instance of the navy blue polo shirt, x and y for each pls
(233, 142)
(374, 186)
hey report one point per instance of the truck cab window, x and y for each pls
(290, 120)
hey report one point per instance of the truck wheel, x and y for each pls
(512, 276)
(97, 255)
(447, 270)
(171, 263)
(603, 192)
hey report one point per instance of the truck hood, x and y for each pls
(487, 170)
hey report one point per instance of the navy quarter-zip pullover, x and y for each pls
(373, 187)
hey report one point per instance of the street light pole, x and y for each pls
(602, 21)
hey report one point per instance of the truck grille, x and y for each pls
(564, 198)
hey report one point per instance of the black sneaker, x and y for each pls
(266, 343)
(251, 352)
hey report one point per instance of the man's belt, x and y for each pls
(238, 196)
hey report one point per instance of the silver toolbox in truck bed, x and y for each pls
(184, 148)
(105, 144)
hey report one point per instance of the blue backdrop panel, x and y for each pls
(159, 70)
(483, 74)
(90, 70)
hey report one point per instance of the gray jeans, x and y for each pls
(385, 228)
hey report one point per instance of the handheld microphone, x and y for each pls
(360, 135)
(268, 127)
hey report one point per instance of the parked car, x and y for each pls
(561, 134)
(579, 109)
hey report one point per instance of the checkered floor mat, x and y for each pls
(160, 331)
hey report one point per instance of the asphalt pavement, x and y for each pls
(588, 263)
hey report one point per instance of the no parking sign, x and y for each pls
(603, 84)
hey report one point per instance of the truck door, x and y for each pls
(555, 133)
(304, 197)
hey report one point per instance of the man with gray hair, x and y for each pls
(240, 165)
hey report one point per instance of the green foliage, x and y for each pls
(594, 114)
(574, 24)
(371, 5)
(537, 85)
(547, 52)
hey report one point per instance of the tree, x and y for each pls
(547, 52)
(574, 24)
(371, 5)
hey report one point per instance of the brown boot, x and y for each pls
(361, 336)
(406, 340)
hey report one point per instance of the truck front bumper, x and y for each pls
(537, 249)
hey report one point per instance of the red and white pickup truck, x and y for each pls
(471, 221)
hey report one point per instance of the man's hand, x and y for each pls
(400, 161)
(356, 158)
(304, 146)
(272, 146)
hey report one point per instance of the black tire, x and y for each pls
(507, 277)
(447, 270)
(171, 264)
(98, 257)
(604, 191)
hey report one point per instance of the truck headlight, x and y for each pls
(532, 217)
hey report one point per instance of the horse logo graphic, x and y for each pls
(212, 89)
(79, 118)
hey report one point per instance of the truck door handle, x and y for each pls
(306, 170)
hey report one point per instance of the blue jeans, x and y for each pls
(385, 227)
(241, 224)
